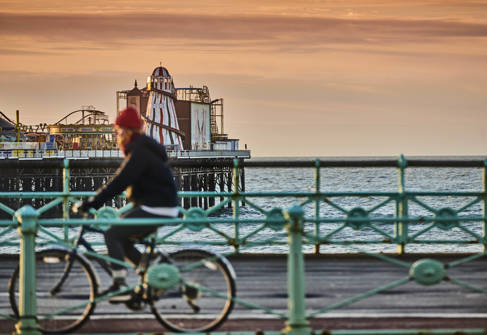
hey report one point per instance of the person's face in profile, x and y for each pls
(123, 136)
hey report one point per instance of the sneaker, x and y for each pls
(124, 294)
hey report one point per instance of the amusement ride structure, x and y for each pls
(186, 120)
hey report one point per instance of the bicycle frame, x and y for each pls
(103, 261)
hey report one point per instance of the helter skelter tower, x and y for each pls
(160, 114)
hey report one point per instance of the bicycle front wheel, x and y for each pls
(203, 300)
(65, 289)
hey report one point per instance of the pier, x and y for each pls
(210, 171)
(187, 121)
(389, 281)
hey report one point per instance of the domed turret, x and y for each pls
(161, 71)
(161, 80)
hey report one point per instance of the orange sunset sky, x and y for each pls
(299, 78)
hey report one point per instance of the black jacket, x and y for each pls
(144, 174)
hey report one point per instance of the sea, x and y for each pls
(261, 238)
(351, 180)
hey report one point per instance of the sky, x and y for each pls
(298, 78)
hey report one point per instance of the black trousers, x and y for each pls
(120, 240)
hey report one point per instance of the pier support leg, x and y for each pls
(229, 185)
(194, 187)
(297, 324)
(27, 324)
(179, 187)
(201, 187)
(221, 184)
(205, 188)
(186, 187)
(211, 188)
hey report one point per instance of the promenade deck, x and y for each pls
(261, 279)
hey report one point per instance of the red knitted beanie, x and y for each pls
(129, 118)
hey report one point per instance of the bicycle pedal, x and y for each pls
(121, 298)
(112, 302)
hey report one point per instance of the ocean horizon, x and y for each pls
(373, 157)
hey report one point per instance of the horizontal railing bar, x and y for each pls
(414, 161)
(173, 222)
(342, 243)
(298, 194)
(43, 195)
(457, 161)
(406, 332)
(141, 221)
(185, 194)
(411, 220)
(48, 195)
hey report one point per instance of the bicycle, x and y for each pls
(193, 290)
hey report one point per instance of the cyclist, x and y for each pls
(149, 185)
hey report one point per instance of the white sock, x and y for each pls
(119, 275)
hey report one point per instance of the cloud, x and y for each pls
(18, 52)
(234, 31)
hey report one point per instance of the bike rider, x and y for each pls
(149, 184)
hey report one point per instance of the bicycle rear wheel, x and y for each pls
(65, 285)
(203, 301)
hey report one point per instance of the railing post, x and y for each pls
(66, 177)
(402, 207)
(27, 324)
(484, 190)
(236, 201)
(297, 324)
(317, 204)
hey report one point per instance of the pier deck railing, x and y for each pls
(292, 228)
(32, 154)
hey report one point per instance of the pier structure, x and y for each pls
(195, 174)
(413, 281)
(185, 120)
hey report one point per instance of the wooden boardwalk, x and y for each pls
(261, 280)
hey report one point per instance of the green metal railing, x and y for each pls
(304, 224)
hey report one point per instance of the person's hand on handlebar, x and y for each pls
(83, 207)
